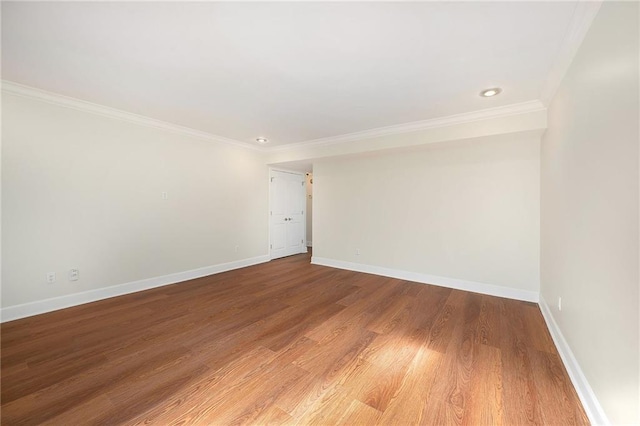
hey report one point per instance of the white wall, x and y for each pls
(84, 191)
(466, 210)
(589, 219)
(531, 116)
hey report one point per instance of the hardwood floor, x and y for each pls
(287, 342)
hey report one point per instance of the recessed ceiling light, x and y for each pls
(262, 140)
(491, 92)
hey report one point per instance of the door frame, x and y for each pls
(294, 172)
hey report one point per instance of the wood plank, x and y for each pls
(485, 404)
(489, 322)
(410, 405)
(553, 389)
(190, 404)
(359, 414)
(517, 371)
(449, 399)
(273, 416)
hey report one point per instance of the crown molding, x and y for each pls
(13, 88)
(583, 16)
(451, 120)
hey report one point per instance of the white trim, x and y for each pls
(11, 313)
(309, 244)
(473, 286)
(280, 169)
(581, 21)
(588, 398)
(89, 107)
(105, 111)
(451, 120)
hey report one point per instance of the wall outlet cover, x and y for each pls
(74, 274)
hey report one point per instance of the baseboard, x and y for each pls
(476, 287)
(15, 312)
(588, 398)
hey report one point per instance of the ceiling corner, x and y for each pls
(583, 16)
(21, 90)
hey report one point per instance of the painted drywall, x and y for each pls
(84, 191)
(531, 116)
(466, 210)
(589, 210)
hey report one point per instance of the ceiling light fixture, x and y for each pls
(262, 140)
(490, 92)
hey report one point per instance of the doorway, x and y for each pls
(287, 218)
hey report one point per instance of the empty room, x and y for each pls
(354, 213)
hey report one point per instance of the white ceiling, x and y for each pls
(292, 72)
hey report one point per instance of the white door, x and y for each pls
(287, 215)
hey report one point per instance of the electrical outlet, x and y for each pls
(51, 277)
(357, 252)
(236, 248)
(559, 303)
(74, 274)
(165, 195)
